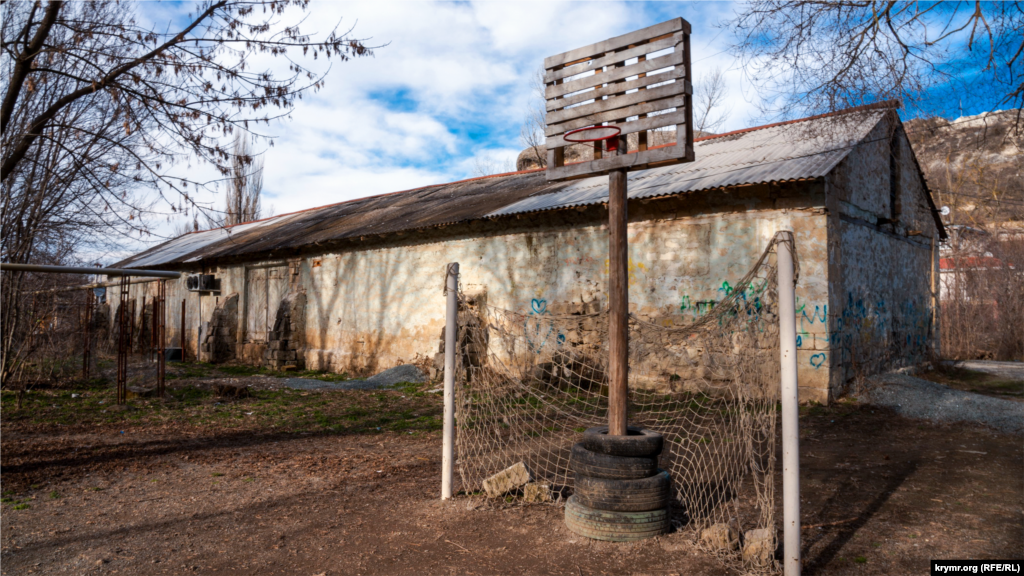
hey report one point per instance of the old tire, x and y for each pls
(596, 465)
(615, 526)
(637, 442)
(642, 495)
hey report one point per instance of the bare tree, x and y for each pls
(709, 97)
(99, 113)
(531, 134)
(483, 166)
(810, 56)
(243, 201)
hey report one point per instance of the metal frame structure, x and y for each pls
(87, 333)
(126, 325)
(123, 342)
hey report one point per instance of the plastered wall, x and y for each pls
(372, 308)
(863, 295)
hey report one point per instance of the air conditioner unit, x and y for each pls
(201, 283)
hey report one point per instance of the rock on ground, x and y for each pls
(720, 537)
(916, 398)
(759, 547)
(507, 480)
(534, 492)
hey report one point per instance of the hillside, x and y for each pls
(974, 165)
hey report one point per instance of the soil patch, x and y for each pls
(347, 482)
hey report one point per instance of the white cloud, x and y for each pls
(451, 85)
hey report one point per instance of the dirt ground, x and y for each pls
(347, 482)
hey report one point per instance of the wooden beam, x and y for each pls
(645, 67)
(612, 90)
(654, 122)
(587, 65)
(618, 115)
(635, 37)
(614, 102)
(618, 302)
(627, 161)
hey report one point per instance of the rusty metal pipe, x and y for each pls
(89, 270)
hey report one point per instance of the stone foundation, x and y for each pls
(219, 339)
(285, 343)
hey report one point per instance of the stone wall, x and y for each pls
(219, 340)
(285, 343)
(882, 261)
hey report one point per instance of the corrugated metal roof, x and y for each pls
(774, 154)
(790, 151)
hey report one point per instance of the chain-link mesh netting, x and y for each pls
(529, 385)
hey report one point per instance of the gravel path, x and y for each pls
(1008, 370)
(389, 377)
(916, 398)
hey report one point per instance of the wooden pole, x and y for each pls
(618, 302)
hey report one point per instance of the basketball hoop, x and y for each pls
(595, 134)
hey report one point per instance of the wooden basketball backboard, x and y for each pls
(637, 82)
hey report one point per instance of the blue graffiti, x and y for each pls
(818, 359)
(539, 306)
(535, 333)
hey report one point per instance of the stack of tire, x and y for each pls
(619, 495)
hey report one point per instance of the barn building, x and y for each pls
(356, 286)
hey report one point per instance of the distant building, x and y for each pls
(356, 286)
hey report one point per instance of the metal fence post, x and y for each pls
(450, 337)
(790, 407)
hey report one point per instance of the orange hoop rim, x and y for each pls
(590, 128)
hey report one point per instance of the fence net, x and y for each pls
(527, 386)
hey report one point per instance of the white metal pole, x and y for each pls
(790, 407)
(450, 333)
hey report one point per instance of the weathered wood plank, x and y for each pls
(618, 302)
(645, 67)
(612, 90)
(615, 58)
(617, 115)
(622, 101)
(625, 161)
(600, 48)
(643, 125)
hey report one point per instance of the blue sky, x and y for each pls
(450, 88)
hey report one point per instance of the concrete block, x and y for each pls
(507, 480)
(720, 537)
(534, 492)
(759, 547)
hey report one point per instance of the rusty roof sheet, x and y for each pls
(789, 151)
